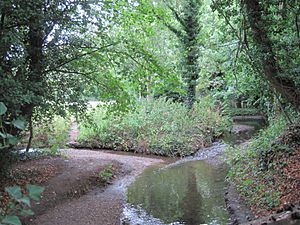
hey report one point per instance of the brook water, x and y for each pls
(189, 191)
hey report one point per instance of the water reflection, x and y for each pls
(192, 202)
(189, 193)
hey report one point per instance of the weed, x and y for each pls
(107, 173)
(50, 136)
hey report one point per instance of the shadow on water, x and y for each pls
(189, 193)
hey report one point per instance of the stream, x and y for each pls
(189, 191)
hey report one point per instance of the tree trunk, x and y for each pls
(272, 72)
(190, 44)
(30, 135)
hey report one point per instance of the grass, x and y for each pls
(157, 126)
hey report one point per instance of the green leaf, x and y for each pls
(25, 200)
(3, 109)
(14, 192)
(12, 220)
(27, 212)
(13, 140)
(35, 191)
(20, 124)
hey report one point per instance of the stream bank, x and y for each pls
(105, 205)
(190, 190)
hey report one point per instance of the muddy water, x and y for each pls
(188, 193)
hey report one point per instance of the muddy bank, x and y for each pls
(238, 210)
(74, 197)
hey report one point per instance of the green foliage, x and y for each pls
(157, 126)
(247, 171)
(20, 204)
(244, 112)
(51, 134)
(7, 139)
(3, 109)
(249, 56)
(107, 173)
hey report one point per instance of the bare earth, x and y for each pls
(71, 198)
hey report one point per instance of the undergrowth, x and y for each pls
(107, 173)
(157, 126)
(48, 137)
(52, 135)
(258, 169)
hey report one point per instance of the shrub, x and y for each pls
(107, 173)
(157, 126)
(244, 112)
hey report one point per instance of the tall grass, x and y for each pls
(157, 126)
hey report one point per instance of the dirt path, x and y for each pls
(98, 206)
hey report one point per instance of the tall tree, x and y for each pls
(40, 41)
(277, 76)
(187, 33)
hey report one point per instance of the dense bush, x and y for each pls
(157, 126)
(8, 140)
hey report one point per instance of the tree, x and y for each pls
(144, 58)
(267, 34)
(41, 41)
(187, 33)
(278, 77)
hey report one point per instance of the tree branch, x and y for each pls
(77, 57)
(271, 70)
(297, 28)
(85, 75)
